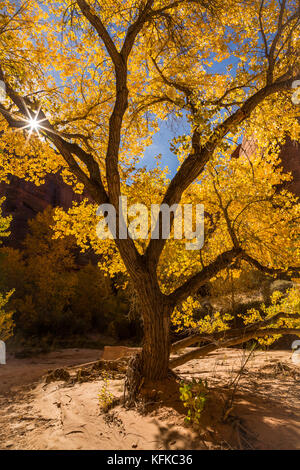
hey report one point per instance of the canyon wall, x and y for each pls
(24, 200)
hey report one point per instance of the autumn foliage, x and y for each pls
(88, 84)
(55, 298)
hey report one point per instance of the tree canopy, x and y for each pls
(87, 85)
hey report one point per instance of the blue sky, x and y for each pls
(161, 145)
(170, 129)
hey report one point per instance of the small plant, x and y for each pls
(105, 397)
(193, 395)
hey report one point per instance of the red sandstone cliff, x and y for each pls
(24, 200)
(290, 157)
(290, 160)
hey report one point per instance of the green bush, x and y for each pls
(194, 396)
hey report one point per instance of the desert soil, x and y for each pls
(257, 409)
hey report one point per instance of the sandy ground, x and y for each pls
(18, 372)
(264, 413)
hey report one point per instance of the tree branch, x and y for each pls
(193, 284)
(67, 149)
(134, 29)
(204, 350)
(294, 270)
(96, 22)
(194, 164)
(227, 334)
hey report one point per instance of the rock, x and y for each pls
(290, 161)
(24, 200)
(116, 352)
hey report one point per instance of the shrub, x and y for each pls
(105, 397)
(55, 297)
(193, 395)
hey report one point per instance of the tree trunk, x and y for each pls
(156, 346)
(153, 363)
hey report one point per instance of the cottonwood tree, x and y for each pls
(87, 84)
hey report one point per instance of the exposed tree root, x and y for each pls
(87, 372)
(56, 375)
(133, 381)
(139, 390)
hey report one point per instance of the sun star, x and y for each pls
(33, 124)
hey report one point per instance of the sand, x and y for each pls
(265, 413)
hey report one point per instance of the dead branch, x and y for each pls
(205, 350)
